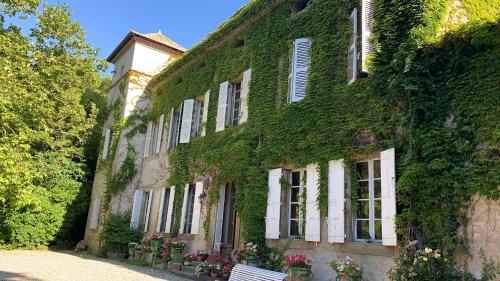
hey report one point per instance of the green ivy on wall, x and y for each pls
(428, 74)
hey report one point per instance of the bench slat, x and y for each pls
(248, 273)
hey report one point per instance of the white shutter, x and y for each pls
(245, 89)
(273, 204)
(136, 209)
(219, 217)
(170, 209)
(160, 134)
(195, 224)
(388, 182)
(352, 69)
(336, 204)
(148, 211)
(367, 46)
(205, 113)
(148, 139)
(162, 205)
(107, 139)
(300, 69)
(313, 221)
(184, 206)
(96, 213)
(222, 107)
(187, 119)
(171, 130)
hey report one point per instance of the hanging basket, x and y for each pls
(299, 274)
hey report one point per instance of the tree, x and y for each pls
(51, 99)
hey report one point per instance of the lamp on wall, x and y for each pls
(202, 197)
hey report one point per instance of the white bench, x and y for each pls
(248, 273)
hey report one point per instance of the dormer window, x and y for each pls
(299, 6)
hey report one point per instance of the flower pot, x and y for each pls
(253, 261)
(299, 274)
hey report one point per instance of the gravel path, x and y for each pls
(59, 266)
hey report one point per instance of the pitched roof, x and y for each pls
(156, 40)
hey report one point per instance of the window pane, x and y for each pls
(363, 192)
(294, 211)
(378, 230)
(378, 209)
(295, 194)
(363, 210)
(377, 189)
(295, 178)
(376, 168)
(362, 169)
(294, 228)
(362, 229)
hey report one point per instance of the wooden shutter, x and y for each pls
(187, 120)
(170, 209)
(148, 139)
(171, 130)
(300, 69)
(245, 89)
(313, 221)
(222, 107)
(162, 205)
(336, 202)
(184, 207)
(367, 46)
(388, 182)
(107, 139)
(195, 224)
(219, 218)
(96, 213)
(205, 113)
(136, 209)
(148, 211)
(352, 69)
(160, 134)
(273, 204)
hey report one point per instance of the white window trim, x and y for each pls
(371, 199)
(299, 203)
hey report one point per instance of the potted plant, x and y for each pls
(250, 255)
(202, 270)
(116, 235)
(347, 269)
(201, 256)
(188, 260)
(299, 268)
(226, 269)
(214, 272)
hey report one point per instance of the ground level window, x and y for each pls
(368, 223)
(296, 220)
(163, 221)
(188, 218)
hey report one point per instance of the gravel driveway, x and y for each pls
(59, 266)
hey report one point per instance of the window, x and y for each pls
(299, 5)
(233, 104)
(298, 78)
(297, 179)
(145, 210)
(107, 143)
(368, 223)
(229, 219)
(175, 128)
(164, 213)
(188, 218)
(198, 110)
(154, 137)
(361, 23)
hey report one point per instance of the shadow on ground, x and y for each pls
(11, 276)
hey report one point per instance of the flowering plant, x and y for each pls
(215, 258)
(250, 251)
(297, 261)
(226, 269)
(347, 267)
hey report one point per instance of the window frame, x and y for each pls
(299, 203)
(233, 104)
(371, 202)
(176, 131)
(164, 213)
(197, 120)
(188, 216)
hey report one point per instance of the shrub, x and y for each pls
(116, 234)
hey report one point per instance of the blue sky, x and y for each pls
(186, 21)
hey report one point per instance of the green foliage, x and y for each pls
(116, 182)
(51, 97)
(116, 234)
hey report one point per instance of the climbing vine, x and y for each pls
(434, 97)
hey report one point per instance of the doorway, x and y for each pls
(226, 220)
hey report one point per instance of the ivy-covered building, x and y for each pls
(330, 127)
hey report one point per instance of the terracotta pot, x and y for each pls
(299, 274)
